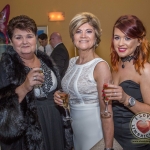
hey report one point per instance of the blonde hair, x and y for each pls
(82, 18)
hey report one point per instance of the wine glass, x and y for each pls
(38, 89)
(65, 97)
(106, 113)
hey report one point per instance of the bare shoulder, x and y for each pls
(146, 71)
(102, 70)
(102, 65)
(145, 74)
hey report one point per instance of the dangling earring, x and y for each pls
(36, 49)
(75, 51)
(95, 45)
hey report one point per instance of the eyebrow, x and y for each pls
(21, 35)
(86, 29)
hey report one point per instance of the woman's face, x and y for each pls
(24, 42)
(84, 37)
(123, 44)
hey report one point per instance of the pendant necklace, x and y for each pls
(128, 58)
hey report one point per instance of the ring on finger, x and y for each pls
(34, 78)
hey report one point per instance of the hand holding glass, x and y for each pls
(106, 113)
(38, 89)
(65, 97)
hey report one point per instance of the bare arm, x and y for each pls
(122, 97)
(145, 91)
(101, 73)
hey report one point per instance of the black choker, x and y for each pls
(128, 58)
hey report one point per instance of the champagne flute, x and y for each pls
(106, 113)
(65, 97)
(38, 88)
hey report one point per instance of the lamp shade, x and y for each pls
(56, 16)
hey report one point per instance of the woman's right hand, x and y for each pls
(115, 92)
(34, 77)
(57, 99)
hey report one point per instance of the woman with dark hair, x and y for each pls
(130, 53)
(29, 119)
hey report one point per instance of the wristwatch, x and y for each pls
(131, 101)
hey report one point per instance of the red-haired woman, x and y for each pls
(131, 90)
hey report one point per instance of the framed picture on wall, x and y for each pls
(40, 30)
(3, 44)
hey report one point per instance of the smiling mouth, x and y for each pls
(122, 49)
(83, 41)
(25, 46)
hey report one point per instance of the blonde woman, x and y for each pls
(84, 83)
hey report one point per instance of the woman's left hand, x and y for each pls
(114, 92)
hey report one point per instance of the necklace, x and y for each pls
(128, 58)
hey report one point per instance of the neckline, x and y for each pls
(129, 81)
(86, 62)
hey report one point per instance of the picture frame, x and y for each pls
(41, 29)
(3, 44)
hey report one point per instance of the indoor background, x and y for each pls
(107, 11)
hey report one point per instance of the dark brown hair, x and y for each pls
(43, 36)
(21, 22)
(132, 27)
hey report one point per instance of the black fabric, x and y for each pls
(122, 117)
(51, 123)
(61, 58)
(16, 145)
(3, 80)
(44, 49)
(68, 132)
(19, 122)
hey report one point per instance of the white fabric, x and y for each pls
(48, 47)
(54, 80)
(84, 103)
(50, 82)
(37, 90)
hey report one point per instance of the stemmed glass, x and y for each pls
(38, 89)
(65, 97)
(106, 113)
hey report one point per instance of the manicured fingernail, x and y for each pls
(105, 85)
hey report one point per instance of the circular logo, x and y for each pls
(140, 125)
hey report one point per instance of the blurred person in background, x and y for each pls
(60, 53)
(45, 47)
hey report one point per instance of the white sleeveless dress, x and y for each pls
(84, 103)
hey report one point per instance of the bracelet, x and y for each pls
(108, 149)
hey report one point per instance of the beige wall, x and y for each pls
(106, 10)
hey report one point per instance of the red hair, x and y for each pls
(132, 27)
